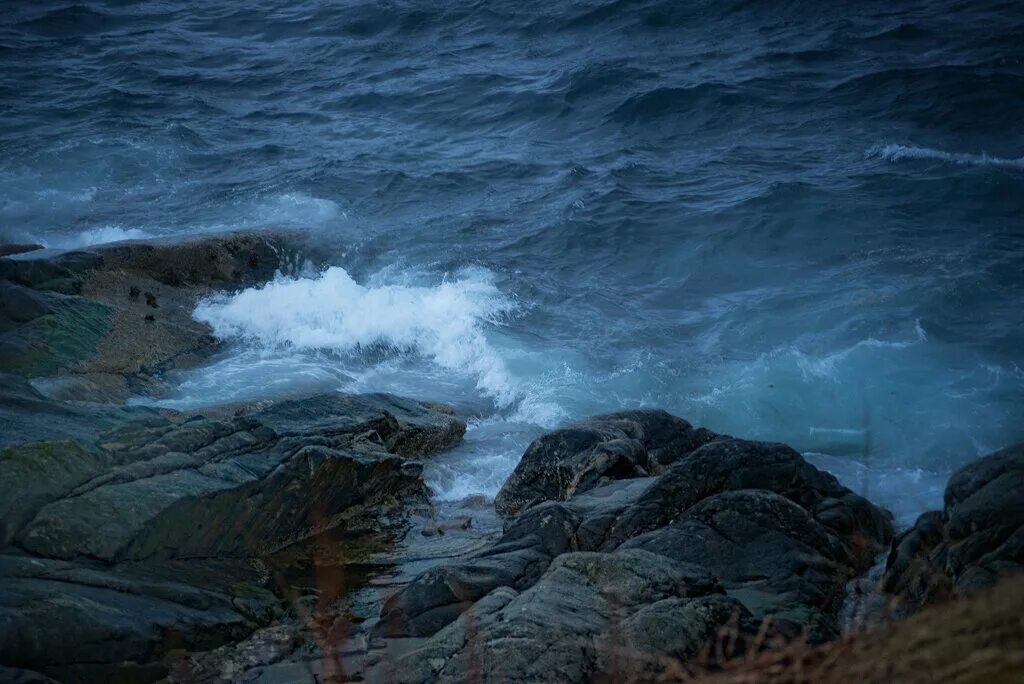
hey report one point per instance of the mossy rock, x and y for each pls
(61, 339)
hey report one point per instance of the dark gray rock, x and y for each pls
(151, 536)
(594, 451)
(977, 539)
(736, 464)
(591, 616)
(80, 621)
(174, 487)
(779, 537)
(517, 560)
(12, 248)
(767, 552)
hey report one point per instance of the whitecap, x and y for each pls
(443, 323)
(100, 235)
(895, 153)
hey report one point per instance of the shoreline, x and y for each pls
(290, 535)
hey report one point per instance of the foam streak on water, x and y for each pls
(897, 153)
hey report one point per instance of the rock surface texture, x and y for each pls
(637, 539)
(160, 533)
(972, 543)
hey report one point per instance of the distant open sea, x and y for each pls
(795, 221)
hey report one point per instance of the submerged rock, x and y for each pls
(585, 584)
(973, 542)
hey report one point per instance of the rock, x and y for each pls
(232, 487)
(66, 314)
(590, 452)
(517, 560)
(265, 646)
(87, 622)
(767, 552)
(735, 464)
(20, 304)
(975, 640)
(590, 617)
(977, 539)
(778, 537)
(12, 675)
(435, 527)
(152, 535)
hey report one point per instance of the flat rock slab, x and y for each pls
(163, 532)
(104, 323)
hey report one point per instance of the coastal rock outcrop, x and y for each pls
(773, 539)
(973, 542)
(165, 525)
(105, 322)
(593, 451)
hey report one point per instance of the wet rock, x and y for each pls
(591, 616)
(517, 560)
(20, 304)
(231, 487)
(435, 527)
(65, 313)
(265, 646)
(736, 464)
(977, 539)
(780, 538)
(81, 621)
(150, 537)
(594, 451)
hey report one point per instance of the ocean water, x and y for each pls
(795, 221)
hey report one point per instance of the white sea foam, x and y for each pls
(99, 236)
(80, 195)
(294, 208)
(443, 323)
(895, 153)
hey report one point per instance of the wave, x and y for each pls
(663, 102)
(97, 236)
(895, 153)
(444, 323)
(294, 208)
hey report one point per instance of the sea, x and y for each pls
(793, 221)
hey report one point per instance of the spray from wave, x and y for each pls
(444, 324)
(98, 236)
(895, 153)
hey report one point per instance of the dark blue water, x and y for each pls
(786, 220)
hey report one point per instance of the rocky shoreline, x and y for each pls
(294, 540)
